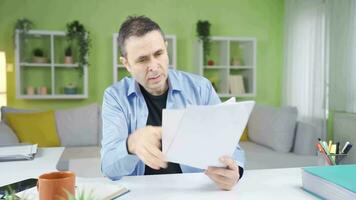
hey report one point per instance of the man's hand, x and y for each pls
(227, 177)
(145, 143)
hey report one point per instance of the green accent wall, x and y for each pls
(262, 19)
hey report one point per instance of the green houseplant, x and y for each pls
(38, 56)
(23, 25)
(68, 55)
(76, 31)
(203, 32)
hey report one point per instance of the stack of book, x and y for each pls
(330, 182)
(236, 84)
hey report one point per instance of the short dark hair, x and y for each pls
(135, 26)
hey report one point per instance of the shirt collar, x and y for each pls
(173, 83)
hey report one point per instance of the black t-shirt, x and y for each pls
(155, 105)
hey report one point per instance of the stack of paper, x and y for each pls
(331, 182)
(19, 152)
(199, 135)
(236, 84)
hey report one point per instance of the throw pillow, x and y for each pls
(273, 127)
(7, 109)
(7, 136)
(35, 128)
(79, 126)
(244, 136)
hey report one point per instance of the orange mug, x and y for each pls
(56, 185)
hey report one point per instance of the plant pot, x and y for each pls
(70, 89)
(68, 60)
(37, 59)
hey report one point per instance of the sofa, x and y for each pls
(275, 138)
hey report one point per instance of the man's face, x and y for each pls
(147, 61)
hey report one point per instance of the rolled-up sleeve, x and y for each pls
(115, 160)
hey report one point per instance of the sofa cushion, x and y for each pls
(78, 126)
(7, 136)
(260, 157)
(35, 128)
(6, 109)
(305, 138)
(273, 127)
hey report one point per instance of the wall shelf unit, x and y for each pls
(230, 65)
(48, 77)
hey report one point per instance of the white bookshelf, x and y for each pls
(53, 74)
(232, 57)
(120, 71)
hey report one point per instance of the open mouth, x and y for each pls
(155, 78)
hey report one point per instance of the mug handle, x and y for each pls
(38, 186)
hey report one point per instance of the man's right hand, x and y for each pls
(145, 143)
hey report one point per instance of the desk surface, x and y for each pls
(45, 161)
(256, 184)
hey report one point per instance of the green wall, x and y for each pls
(262, 19)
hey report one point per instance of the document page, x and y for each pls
(199, 135)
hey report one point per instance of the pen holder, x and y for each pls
(331, 159)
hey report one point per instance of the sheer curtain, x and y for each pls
(304, 83)
(342, 28)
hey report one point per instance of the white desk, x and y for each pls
(45, 161)
(256, 184)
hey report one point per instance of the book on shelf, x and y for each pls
(18, 152)
(330, 182)
(236, 84)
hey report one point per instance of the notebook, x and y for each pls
(99, 190)
(330, 182)
(18, 152)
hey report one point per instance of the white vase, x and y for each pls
(37, 59)
(68, 60)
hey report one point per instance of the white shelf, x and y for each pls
(215, 67)
(35, 64)
(236, 95)
(118, 68)
(241, 67)
(74, 65)
(235, 65)
(59, 96)
(53, 75)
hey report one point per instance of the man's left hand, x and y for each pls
(227, 177)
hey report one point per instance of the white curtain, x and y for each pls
(304, 83)
(342, 37)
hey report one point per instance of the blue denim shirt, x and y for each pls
(124, 110)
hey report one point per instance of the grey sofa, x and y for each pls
(276, 139)
(79, 130)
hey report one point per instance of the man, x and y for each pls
(132, 109)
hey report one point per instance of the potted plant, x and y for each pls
(203, 31)
(23, 26)
(38, 56)
(76, 31)
(68, 55)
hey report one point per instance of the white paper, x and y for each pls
(18, 150)
(199, 135)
